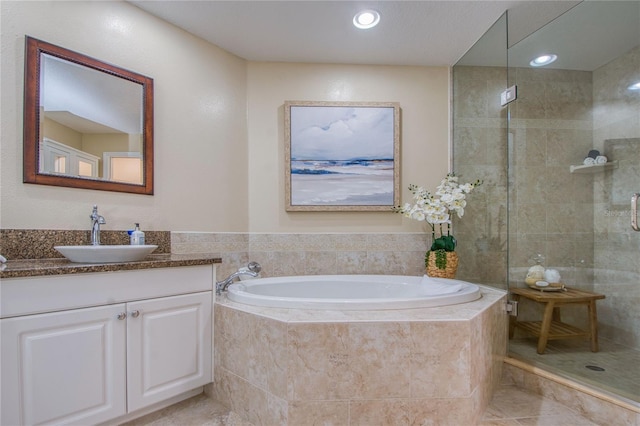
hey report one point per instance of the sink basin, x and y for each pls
(105, 254)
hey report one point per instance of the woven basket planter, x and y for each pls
(435, 269)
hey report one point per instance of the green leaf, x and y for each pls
(445, 242)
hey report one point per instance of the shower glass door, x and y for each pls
(480, 152)
(573, 169)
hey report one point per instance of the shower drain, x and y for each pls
(594, 368)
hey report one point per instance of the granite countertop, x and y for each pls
(57, 266)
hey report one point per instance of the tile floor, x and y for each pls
(570, 358)
(511, 406)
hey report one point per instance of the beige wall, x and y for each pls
(200, 121)
(215, 169)
(423, 96)
(60, 133)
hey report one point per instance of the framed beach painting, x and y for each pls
(342, 156)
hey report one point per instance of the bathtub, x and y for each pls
(352, 292)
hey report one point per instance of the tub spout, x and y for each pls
(252, 269)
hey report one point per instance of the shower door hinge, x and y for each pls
(512, 308)
(509, 95)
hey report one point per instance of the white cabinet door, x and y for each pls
(169, 347)
(64, 368)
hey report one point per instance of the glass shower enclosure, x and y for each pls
(561, 165)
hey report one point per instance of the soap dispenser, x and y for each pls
(137, 236)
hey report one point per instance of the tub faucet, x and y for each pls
(252, 269)
(96, 221)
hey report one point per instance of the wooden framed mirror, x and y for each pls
(87, 124)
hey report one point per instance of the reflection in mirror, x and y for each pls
(88, 124)
(86, 111)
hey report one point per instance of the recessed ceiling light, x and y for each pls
(543, 60)
(634, 86)
(366, 19)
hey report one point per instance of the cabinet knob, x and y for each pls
(135, 313)
(122, 315)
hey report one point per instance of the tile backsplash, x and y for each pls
(311, 254)
(18, 244)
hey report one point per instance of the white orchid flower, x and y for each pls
(466, 187)
(418, 215)
(437, 208)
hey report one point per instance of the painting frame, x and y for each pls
(364, 182)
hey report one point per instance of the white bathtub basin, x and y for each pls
(352, 292)
(106, 254)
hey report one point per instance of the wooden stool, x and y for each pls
(551, 327)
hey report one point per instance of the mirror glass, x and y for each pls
(88, 124)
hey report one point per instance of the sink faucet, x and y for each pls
(96, 221)
(253, 270)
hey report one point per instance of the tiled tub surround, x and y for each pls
(414, 366)
(311, 253)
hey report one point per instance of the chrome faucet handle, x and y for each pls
(96, 217)
(254, 267)
(96, 221)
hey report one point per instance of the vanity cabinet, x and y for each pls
(94, 363)
(168, 347)
(64, 367)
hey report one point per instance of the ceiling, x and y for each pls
(425, 33)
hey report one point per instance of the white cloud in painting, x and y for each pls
(341, 133)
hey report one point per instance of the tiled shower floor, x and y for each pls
(570, 358)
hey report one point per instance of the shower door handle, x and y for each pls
(634, 211)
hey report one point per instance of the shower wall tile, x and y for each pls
(616, 247)
(616, 103)
(558, 118)
(531, 100)
(553, 207)
(471, 98)
(474, 141)
(480, 152)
